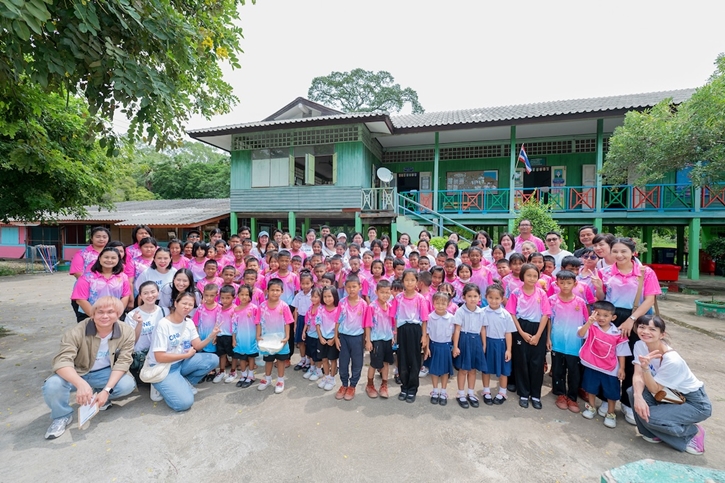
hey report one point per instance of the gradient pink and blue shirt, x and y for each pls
(274, 320)
(383, 320)
(354, 318)
(529, 307)
(566, 318)
(205, 320)
(244, 326)
(413, 310)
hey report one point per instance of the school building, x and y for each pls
(308, 164)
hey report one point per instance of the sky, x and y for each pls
(462, 54)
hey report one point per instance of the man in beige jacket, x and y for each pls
(93, 360)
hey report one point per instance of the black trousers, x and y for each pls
(622, 317)
(529, 361)
(291, 341)
(566, 375)
(409, 348)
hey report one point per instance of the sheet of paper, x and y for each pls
(86, 412)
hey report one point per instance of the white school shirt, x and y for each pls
(149, 321)
(498, 322)
(670, 371)
(302, 302)
(170, 338)
(470, 322)
(440, 327)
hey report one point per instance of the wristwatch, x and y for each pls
(109, 390)
(633, 319)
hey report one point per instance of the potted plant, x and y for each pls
(715, 248)
(711, 308)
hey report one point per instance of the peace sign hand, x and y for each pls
(644, 361)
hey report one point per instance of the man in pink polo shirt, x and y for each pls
(526, 235)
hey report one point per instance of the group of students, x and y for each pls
(493, 310)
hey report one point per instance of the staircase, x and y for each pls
(412, 214)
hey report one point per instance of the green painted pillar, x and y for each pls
(233, 222)
(572, 238)
(279, 225)
(292, 223)
(647, 239)
(512, 171)
(680, 255)
(693, 267)
(510, 225)
(598, 223)
(358, 222)
(308, 225)
(436, 159)
(393, 231)
(253, 228)
(600, 163)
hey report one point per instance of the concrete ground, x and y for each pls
(234, 434)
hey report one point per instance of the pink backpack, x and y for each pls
(600, 349)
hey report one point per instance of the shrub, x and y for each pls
(540, 216)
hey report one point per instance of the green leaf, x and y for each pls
(21, 29)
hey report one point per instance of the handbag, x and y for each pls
(158, 372)
(670, 396)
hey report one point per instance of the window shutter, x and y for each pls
(291, 170)
(309, 169)
(334, 169)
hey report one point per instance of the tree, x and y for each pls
(669, 137)
(48, 163)
(156, 62)
(363, 91)
(539, 214)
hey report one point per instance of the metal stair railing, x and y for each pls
(436, 220)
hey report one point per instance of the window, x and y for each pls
(315, 165)
(270, 167)
(9, 236)
(77, 234)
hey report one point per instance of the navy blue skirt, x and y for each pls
(471, 357)
(496, 357)
(441, 358)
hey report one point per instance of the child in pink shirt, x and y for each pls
(275, 317)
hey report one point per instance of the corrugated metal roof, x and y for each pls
(481, 115)
(539, 109)
(157, 212)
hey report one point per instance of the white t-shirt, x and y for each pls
(153, 275)
(671, 371)
(557, 259)
(171, 338)
(150, 320)
(103, 356)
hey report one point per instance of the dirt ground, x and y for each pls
(233, 434)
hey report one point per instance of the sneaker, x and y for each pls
(654, 440)
(330, 384)
(423, 372)
(323, 381)
(562, 402)
(696, 445)
(307, 374)
(383, 391)
(589, 411)
(57, 427)
(219, 377)
(155, 394)
(572, 406)
(371, 392)
(106, 406)
(314, 374)
(603, 409)
(300, 365)
(264, 383)
(628, 415)
(350, 394)
(610, 420)
(341, 393)
(279, 387)
(230, 378)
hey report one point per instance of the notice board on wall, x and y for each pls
(469, 180)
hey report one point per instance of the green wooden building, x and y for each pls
(307, 164)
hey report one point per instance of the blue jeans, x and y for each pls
(351, 350)
(673, 423)
(175, 389)
(56, 390)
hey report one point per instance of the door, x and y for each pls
(539, 178)
(588, 197)
(426, 189)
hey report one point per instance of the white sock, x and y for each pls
(471, 392)
(487, 390)
(502, 391)
(535, 399)
(436, 391)
(462, 394)
(280, 379)
(443, 392)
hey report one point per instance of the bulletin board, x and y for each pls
(468, 180)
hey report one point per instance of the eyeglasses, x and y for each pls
(589, 257)
(552, 239)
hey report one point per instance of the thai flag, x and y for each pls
(524, 159)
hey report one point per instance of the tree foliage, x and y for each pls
(48, 163)
(193, 170)
(363, 91)
(669, 137)
(156, 62)
(539, 214)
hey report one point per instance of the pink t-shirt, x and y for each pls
(580, 290)
(197, 268)
(133, 251)
(510, 283)
(383, 321)
(534, 239)
(529, 307)
(129, 269)
(83, 260)
(205, 320)
(239, 275)
(566, 318)
(310, 321)
(224, 320)
(274, 320)
(354, 319)
(182, 263)
(621, 289)
(458, 284)
(205, 281)
(298, 253)
(452, 308)
(290, 285)
(483, 277)
(93, 285)
(326, 320)
(140, 265)
(413, 310)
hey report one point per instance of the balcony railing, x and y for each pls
(378, 199)
(626, 198)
